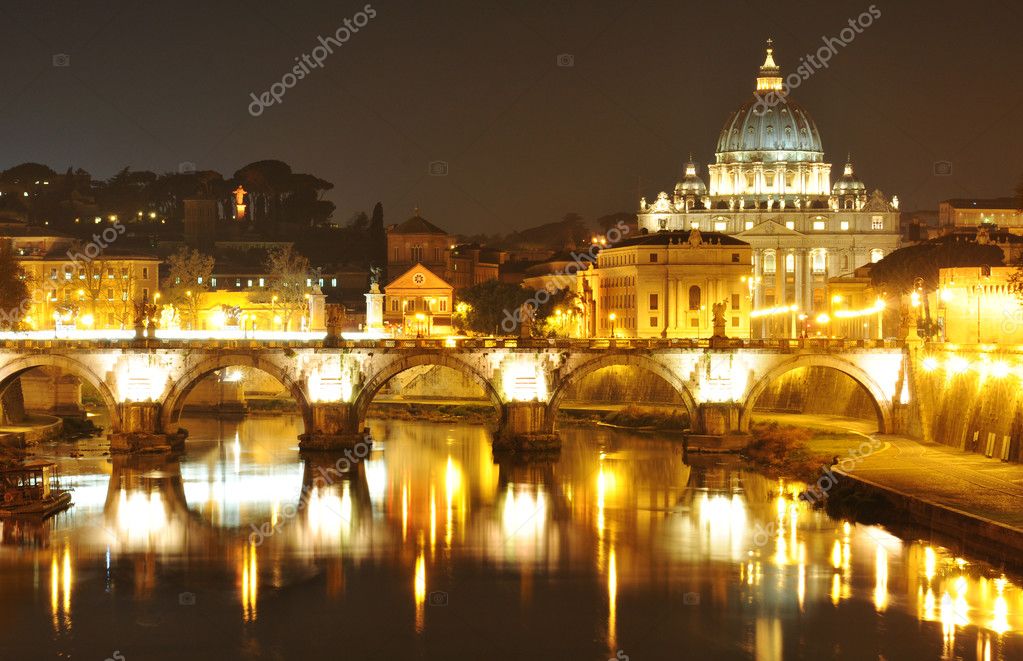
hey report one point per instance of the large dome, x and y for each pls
(782, 132)
(770, 127)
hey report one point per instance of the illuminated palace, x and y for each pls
(771, 188)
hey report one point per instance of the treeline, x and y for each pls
(276, 195)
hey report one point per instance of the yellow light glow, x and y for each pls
(1000, 370)
(956, 365)
(823, 319)
(930, 364)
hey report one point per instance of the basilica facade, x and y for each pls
(771, 187)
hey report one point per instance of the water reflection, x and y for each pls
(618, 535)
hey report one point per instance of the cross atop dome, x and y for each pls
(769, 79)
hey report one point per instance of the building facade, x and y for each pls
(418, 303)
(977, 305)
(771, 187)
(416, 241)
(1004, 213)
(668, 285)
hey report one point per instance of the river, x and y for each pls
(425, 548)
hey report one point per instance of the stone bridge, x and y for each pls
(144, 383)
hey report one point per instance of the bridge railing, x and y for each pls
(463, 344)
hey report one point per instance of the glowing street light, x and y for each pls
(612, 317)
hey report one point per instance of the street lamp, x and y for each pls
(420, 323)
(612, 317)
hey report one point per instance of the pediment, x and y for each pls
(768, 228)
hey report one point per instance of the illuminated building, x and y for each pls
(1005, 213)
(666, 284)
(771, 187)
(87, 286)
(419, 303)
(977, 305)
(416, 241)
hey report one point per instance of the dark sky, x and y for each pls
(477, 84)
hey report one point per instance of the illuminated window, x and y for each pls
(720, 226)
(417, 253)
(694, 225)
(790, 225)
(819, 225)
(877, 223)
(770, 262)
(790, 263)
(820, 261)
(876, 255)
(844, 225)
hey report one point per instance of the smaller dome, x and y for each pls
(691, 183)
(849, 184)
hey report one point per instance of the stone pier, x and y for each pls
(525, 429)
(333, 426)
(140, 430)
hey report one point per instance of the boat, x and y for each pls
(32, 491)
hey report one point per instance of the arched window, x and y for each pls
(790, 263)
(876, 255)
(819, 259)
(694, 298)
(770, 263)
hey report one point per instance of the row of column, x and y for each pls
(731, 180)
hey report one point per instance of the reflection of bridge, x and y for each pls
(144, 384)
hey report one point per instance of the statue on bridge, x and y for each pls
(719, 319)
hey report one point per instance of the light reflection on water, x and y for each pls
(428, 547)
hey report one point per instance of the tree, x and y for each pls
(913, 267)
(15, 293)
(489, 305)
(288, 287)
(899, 272)
(188, 280)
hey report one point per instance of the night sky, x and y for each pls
(477, 85)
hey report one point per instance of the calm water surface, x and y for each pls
(428, 549)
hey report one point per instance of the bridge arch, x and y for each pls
(882, 404)
(640, 361)
(12, 370)
(174, 401)
(371, 387)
